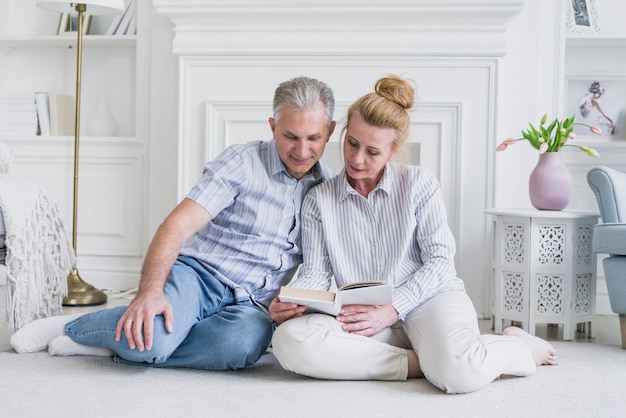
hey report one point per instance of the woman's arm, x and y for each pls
(434, 243)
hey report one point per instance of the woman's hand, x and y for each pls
(282, 311)
(367, 320)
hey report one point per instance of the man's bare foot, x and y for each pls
(542, 351)
(414, 365)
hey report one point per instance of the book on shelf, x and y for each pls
(357, 293)
(132, 25)
(122, 29)
(114, 24)
(121, 24)
(43, 113)
(62, 113)
(18, 113)
(17, 97)
(55, 113)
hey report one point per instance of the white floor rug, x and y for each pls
(589, 381)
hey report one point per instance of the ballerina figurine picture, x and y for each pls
(589, 103)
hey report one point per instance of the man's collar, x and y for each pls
(274, 163)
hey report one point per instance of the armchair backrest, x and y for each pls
(609, 186)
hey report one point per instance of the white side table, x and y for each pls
(544, 270)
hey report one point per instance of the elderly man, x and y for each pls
(219, 258)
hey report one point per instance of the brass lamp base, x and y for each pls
(80, 293)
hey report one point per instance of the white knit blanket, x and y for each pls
(39, 253)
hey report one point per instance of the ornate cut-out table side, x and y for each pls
(543, 269)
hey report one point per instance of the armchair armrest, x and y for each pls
(609, 238)
(609, 187)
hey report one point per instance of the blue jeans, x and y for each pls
(212, 331)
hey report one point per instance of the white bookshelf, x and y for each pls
(111, 226)
(596, 41)
(62, 41)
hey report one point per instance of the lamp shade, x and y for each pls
(94, 7)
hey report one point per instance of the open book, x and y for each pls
(357, 293)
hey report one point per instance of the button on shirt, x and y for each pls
(252, 244)
(399, 233)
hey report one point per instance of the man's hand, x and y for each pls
(282, 311)
(367, 320)
(138, 320)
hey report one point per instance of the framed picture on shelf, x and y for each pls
(69, 23)
(582, 16)
(598, 101)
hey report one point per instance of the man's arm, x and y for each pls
(138, 320)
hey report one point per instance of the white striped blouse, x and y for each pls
(399, 233)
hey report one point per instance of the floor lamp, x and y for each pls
(80, 293)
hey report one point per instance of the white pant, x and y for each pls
(443, 332)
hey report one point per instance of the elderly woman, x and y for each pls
(382, 220)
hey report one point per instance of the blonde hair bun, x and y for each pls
(397, 90)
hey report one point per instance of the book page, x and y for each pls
(378, 294)
(306, 294)
(356, 285)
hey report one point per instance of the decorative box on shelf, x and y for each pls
(544, 270)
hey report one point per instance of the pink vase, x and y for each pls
(550, 183)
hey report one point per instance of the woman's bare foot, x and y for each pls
(542, 351)
(414, 365)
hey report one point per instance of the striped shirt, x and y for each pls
(252, 244)
(399, 233)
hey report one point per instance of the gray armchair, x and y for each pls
(609, 237)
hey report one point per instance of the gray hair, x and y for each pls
(304, 93)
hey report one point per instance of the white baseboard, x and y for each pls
(603, 306)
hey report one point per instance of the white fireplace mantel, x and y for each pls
(329, 27)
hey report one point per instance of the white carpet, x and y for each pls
(590, 381)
